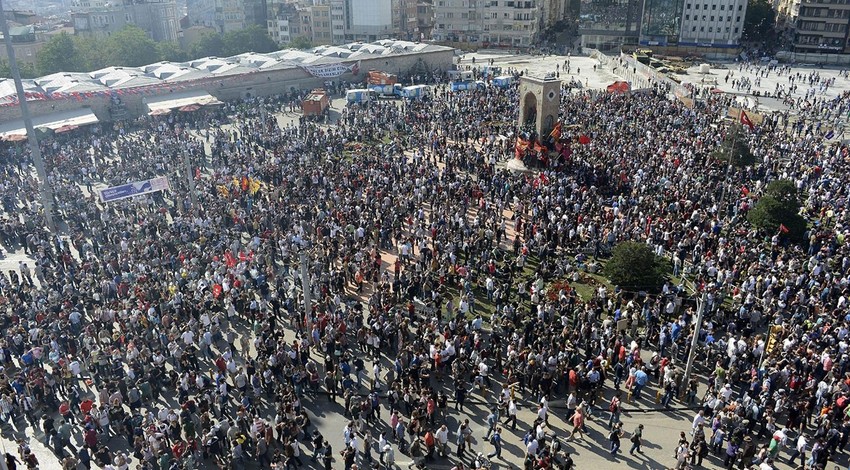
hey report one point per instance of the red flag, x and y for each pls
(783, 228)
(584, 140)
(745, 120)
(556, 132)
(745, 191)
(216, 290)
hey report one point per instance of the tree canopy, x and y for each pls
(760, 21)
(133, 47)
(779, 206)
(735, 146)
(634, 266)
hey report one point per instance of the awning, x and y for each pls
(75, 117)
(179, 100)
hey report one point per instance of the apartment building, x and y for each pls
(817, 26)
(693, 23)
(157, 17)
(493, 23)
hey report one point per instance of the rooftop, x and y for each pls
(164, 73)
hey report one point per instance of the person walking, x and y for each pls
(614, 438)
(799, 451)
(496, 440)
(578, 423)
(614, 408)
(636, 438)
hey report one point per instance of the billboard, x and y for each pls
(134, 189)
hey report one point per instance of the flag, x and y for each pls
(745, 120)
(519, 148)
(355, 69)
(745, 191)
(556, 132)
(584, 140)
(829, 134)
(783, 228)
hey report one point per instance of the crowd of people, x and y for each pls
(168, 330)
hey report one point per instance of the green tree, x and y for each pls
(779, 206)
(59, 54)
(760, 21)
(301, 42)
(208, 44)
(131, 47)
(26, 69)
(171, 52)
(251, 39)
(91, 52)
(634, 266)
(735, 146)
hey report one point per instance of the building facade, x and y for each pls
(819, 26)
(157, 17)
(493, 23)
(693, 23)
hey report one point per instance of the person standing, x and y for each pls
(614, 438)
(636, 438)
(496, 440)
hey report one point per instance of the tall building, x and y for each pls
(368, 20)
(713, 24)
(608, 24)
(505, 23)
(157, 17)
(693, 23)
(817, 25)
(223, 15)
(334, 21)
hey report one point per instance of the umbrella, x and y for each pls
(16, 138)
(159, 112)
(65, 128)
(189, 108)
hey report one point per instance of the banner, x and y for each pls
(331, 70)
(134, 189)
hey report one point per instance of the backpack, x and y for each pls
(614, 405)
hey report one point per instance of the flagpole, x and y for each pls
(44, 189)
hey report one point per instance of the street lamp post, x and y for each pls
(44, 190)
(695, 340)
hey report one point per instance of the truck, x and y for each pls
(462, 75)
(316, 104)
(377, 77)
(503, 81)
(388, 90)
(416, 92)
(466, 85)
(360, 95)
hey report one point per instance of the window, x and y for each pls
(729, 19)
(687, 17)
(697, 6)
(712, 17)
(701, 29)
(705, 6)
(689, 6)
(736, 30)
(727, 30)
(740, 7)
(714, 7)
(722, 7)
(694, 29)
(738, 19)
(710, 29)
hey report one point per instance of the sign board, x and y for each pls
(134, 189)
(331, 70)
